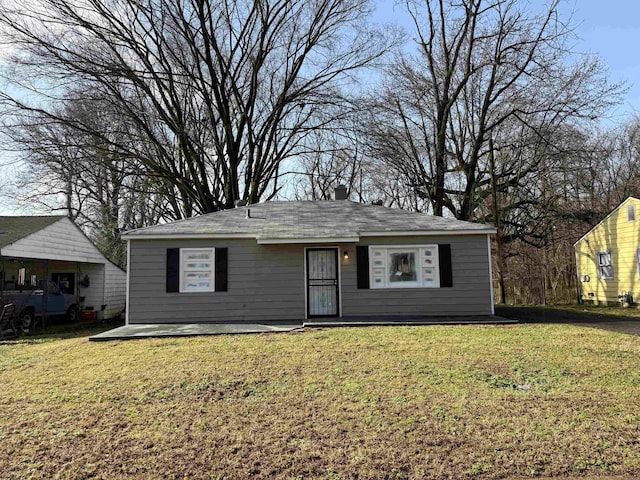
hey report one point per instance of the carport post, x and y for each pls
(45, 294)
(76, 288)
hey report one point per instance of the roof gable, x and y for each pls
(60, 240)
(13, 229)
(607, 217)
(306, 220)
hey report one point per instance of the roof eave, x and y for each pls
(420, 233)
(275, 241)
(288, 240)
(183, 236)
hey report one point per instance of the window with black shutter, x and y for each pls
(408, 266)
(193, 270)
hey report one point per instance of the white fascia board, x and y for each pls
(185, 236)
(420, 233)
(275, 241)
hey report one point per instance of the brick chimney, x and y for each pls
(340, 193)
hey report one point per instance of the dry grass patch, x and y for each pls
(396, 402)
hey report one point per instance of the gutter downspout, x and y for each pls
(493, 312)
(127, 303)
(2, 277)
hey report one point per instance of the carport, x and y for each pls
(70, 287)
(48, 266)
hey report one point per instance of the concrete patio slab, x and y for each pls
(155, 330)
(408, 321)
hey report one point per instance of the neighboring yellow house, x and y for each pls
(607, 257)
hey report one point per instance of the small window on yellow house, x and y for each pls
(605, 268)
(631, 213)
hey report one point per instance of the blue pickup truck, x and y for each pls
(30, 304)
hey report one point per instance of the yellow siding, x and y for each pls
(620, 236)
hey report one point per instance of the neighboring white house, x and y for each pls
(53, 248)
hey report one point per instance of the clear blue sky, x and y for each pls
(608, 28)
(611, 29)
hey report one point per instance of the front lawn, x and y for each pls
(379, 403)
(590, 310)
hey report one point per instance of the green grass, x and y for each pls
(633, 312)
(380, 403)
(617, 311)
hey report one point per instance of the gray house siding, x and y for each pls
(266, 283)
(470, 294)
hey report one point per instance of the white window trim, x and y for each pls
(419, 283)
(599, 265)
(183, 252)
(631, 213)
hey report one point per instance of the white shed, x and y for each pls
(39, 249)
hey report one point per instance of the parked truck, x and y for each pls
(31, 304)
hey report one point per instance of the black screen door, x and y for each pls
(322, 282)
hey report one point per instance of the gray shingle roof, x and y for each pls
(307, 220)
(13, 229)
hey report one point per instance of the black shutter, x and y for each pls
(173, 270)
(444, 258)
(362, 260)
(221, 269)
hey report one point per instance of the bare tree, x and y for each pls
(477, 123)
(334, 157)
(69, 171)
(486, 70)
(625, 169)
(221, 93)
(340, 155)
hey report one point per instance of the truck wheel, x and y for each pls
(26, 319)
(72, 313)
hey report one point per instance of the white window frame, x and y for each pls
(600, 254)
(631, 213)
(379, 266)
(183, 271)
(638, 260)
